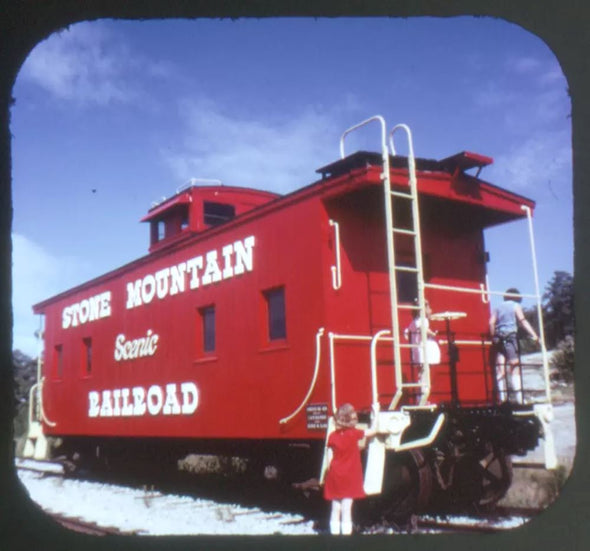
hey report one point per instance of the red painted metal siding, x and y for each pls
(248, 383)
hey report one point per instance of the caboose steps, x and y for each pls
(36, 445)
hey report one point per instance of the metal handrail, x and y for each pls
(427, 440)
(374, 341)
(333, 337)
(539, 309)
(203, 181)
(43, 414)
(485, 297)
(37, 388)
(377, 118)
(480, 291)
(336, 270)
(33, 402)
(313, 379)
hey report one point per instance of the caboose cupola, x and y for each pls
(199, 206)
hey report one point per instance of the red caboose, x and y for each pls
(254, 315)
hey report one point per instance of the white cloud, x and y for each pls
(491, 95)
(544, 73)
(279, 155)
(546, 157)
(36, 275)
(88, 64)
(528, 91)
(523, 64)
(530, 106)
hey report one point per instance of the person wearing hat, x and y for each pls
(344, 478)
(504, 323)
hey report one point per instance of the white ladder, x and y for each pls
(393, 267)
(413, 231)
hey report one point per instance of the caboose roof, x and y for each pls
(444, 179)
(462, 161)
(183, 198)
(243, 197)
(364, 159)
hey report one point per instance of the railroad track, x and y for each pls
(85, 527)
(58, 470)
(501, 519)
(47, 468)
(145, 502)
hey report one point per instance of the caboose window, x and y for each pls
(160, 230)
(407, 286)
(184, 219)
(208, 321)
(86, 356)
(217, 213)
(58, 361)
(277, 324)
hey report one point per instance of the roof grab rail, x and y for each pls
(411, 158)
(407, 130)
(158, 202)
(188, 184)
(377, 118)
(199, 181)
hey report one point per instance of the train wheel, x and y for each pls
(496, 477)
(481, 484)
(407, 485)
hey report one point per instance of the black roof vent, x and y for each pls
(363, 159)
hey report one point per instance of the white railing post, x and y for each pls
(538, 299)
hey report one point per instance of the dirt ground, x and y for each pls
(536, 486)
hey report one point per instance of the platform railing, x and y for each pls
(539, 308)
(536, 297)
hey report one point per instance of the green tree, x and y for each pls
(559, 322)
(558, 308)
(25, 375)
(563, 358)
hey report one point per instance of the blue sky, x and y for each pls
(112, 115)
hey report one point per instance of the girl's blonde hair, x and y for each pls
(346, 416)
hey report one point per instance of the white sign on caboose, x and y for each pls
(88, 309)
(235, 258)
(215, 265)
(139, 400)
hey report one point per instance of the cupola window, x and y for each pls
(217, 213)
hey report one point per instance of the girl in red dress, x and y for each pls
(344, 479)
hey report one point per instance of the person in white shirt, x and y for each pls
(413, 334)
